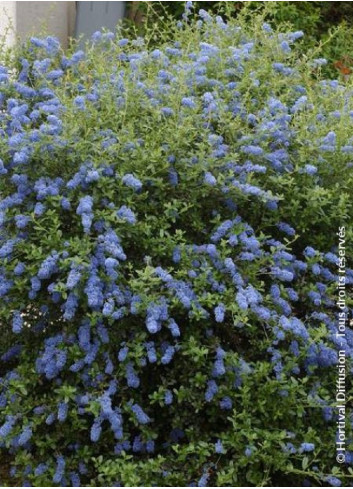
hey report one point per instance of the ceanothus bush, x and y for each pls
(168, 260)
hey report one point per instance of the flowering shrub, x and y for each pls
(168, 263)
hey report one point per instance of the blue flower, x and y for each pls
(174, 328)
(252, 150)
(282, 274)
(226, 403)
(285, 47)
(50, 419)
(108, 308)
(310, 169)
(167, 111)
(131, 376)
(96, 430)
(137, 445)
(48, 266)
(151, 352)
(70, 306)
(262, 312)
(242, 300)
(309, 252)
(315, 297)
(126, 214)
(150, 446)
(253, 297)
(123, 352)
(40, 469)
(7, 248)
(141, 416)
(130, 181)
(248, 451)
(119, 447)
(299, 104)
(94, 292)
(211, 390)
(7, 427)
(39, 209)
(219, 447)
(73, 278)
(25, 436)
(11, 353)
(77, 57)
(293, 36)
(17, 322)
(84, 209)
(65, 204)
(219, 313)
(22, 221)
(84, 336)
(75, 479)
(202, 482)
(168, 355)
(80, 102)
(173, 177)
(62, 411)
(210, 179)
(60, 469)
(333, 481)
(222, 230)
(155, 314)
(286, 228)
(307, 447)
(188, 102)
(168, 397)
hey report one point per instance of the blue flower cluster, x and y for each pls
(160, 292)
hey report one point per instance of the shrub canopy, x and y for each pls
(168, 260)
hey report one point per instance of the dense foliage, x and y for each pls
(327, 23)
(318, 16)
(168, 264)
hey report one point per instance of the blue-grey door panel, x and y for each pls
(93, 16)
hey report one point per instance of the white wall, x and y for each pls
(30, 18)
(8, 21)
